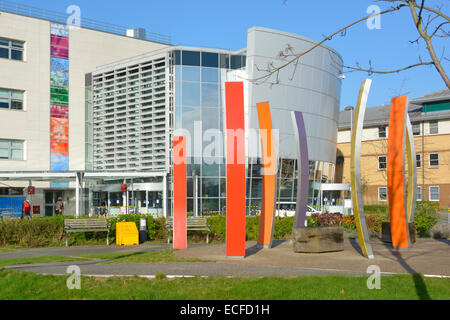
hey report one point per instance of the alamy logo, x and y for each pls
(374, 280)
(374, 21)
(74, 280)
(74, 20)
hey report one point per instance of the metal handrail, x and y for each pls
(54, 16)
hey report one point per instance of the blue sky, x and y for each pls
(224, 24)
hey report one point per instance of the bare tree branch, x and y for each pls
(437, 29)
(438, 12)
(430, 46)
(371, 71)
(326, 38)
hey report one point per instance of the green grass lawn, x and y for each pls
(140, 257)
(25, 285)
(10, 262)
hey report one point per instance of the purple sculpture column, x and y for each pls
(303, 169)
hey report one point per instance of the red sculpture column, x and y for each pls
(179, 193)
(235, 155)
(395, 173)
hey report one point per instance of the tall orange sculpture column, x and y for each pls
(269, 176)
(395, 173)
(235, 151)
(179, 193)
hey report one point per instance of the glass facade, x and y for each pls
(132, 109)
(198, 108)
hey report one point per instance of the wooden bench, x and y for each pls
(86, 225)
(192, 224)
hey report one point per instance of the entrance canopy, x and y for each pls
(79, 176)
(69, 175)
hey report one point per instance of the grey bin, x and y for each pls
(143, 236)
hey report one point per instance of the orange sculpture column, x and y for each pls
(179, 193)
(269, 176)
(395, 173)
(235, 155)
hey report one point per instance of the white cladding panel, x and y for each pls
(313, 87)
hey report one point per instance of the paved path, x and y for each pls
(428, 256)
(91, 268)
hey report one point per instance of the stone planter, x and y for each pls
(318, 239)
(386, 232)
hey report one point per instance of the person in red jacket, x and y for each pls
(26, 209)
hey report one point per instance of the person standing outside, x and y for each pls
(59, 207)
(26, 209)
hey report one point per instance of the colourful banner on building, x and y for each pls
(59, 100)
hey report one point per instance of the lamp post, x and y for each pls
(350, 108)
(195, 182)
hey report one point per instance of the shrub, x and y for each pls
(374, 223)
(328, 219)
(424, 219)
(376, 208)
(251, 228)
(427, 204)
(348, 222)
(31, 233)
(160, 228)
(312, 220)
(217, 226)
(283, 228)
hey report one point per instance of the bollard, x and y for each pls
(143, 236)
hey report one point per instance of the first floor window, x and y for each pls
(382, 164)
(419, 194)
(11, 49)
(434, 193)
(382, 194)
(434, 127)
(418, 161)
(434, 160)
(11, 99)
(382, 132)
(416, 129)
(11, 149)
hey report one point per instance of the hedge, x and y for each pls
(39, 232)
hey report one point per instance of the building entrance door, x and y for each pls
(50, 201)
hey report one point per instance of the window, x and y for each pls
(382, 194)
(382, 165)
(416, 129)
(11, 99)
(381, 132)
(434, 127)
(11, 49)
(225, 61)
(191, 58)
(419, 194)
(177, 57)
(238, 62)
(434, 193)
(418, 161)
(434, 160)
(11, 149)
(210, 59)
